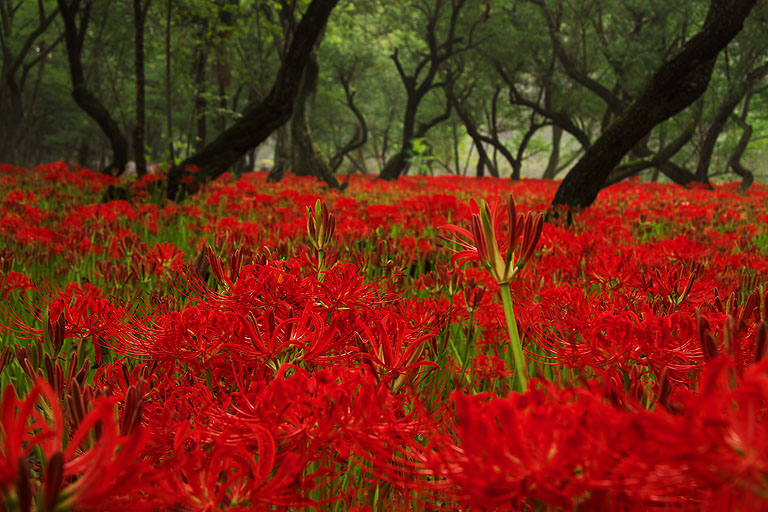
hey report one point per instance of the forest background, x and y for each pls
(596, 90)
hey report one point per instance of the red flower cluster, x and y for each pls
(207, 356)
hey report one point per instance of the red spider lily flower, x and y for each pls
(103, 457)
(22, 427)
(321, 224)
(480, 242)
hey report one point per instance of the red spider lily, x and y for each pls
(23, 427)
(164, 256)
(107, 471)
(321, 225)
(393, 349)
(479, 243)
(98, 468)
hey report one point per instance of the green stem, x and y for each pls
(514, 337)
(320, 265)
(467, 346)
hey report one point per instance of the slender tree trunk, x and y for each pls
(673, 87)
(13, 72)
(734, 162)
(397, 163)
(198, 70)
(262, 119)
(139, 20)
(747, 177)
(85, 99)
(168, 88)
(282, 159)
(471, 127)
(307, 158)
(724, 111)
(554, 155)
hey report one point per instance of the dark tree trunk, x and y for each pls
(14, 69)
(477, 138)
(262, 119)
(724, 111)
(168, 102)
(659, 161)
(84, 153)
(360, 136)
(533, 127)
(395, 166)
(85, 99)
(747, 178)
(307, 158)
(201, 121)
(397, 163)
(734, 162)
(139, 20)
(554, 156)
(673, 87)
(282, 160)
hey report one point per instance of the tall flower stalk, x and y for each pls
(518, 242)
(321, 225)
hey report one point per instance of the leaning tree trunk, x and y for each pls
(734, 162)
(85, 99)
(259, 120)
(471, 127)
(308, 160)
(673, 87)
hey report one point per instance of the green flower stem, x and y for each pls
(320, 265)
(514, 337)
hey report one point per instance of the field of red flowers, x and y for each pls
(254, 348)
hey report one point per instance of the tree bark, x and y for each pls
(168, 102)
(14, 69)
(554, 155)
(734, 162)
(471, 127)
(74, 37)
(673, 87)
(307, 158)
(201, 121)
(139, 19)
(261, 119)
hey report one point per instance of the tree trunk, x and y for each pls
(13, 72)
(724, 111)
(477, 138)
(397, 163)
(168, 88)
(307, 157)
(139, 20)
(734, 162)
(198, 70)
(673, 87)
(747, 178)
(282, 159)
(262, 119)
(85, 99)
(554, 155)
(394, 166)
